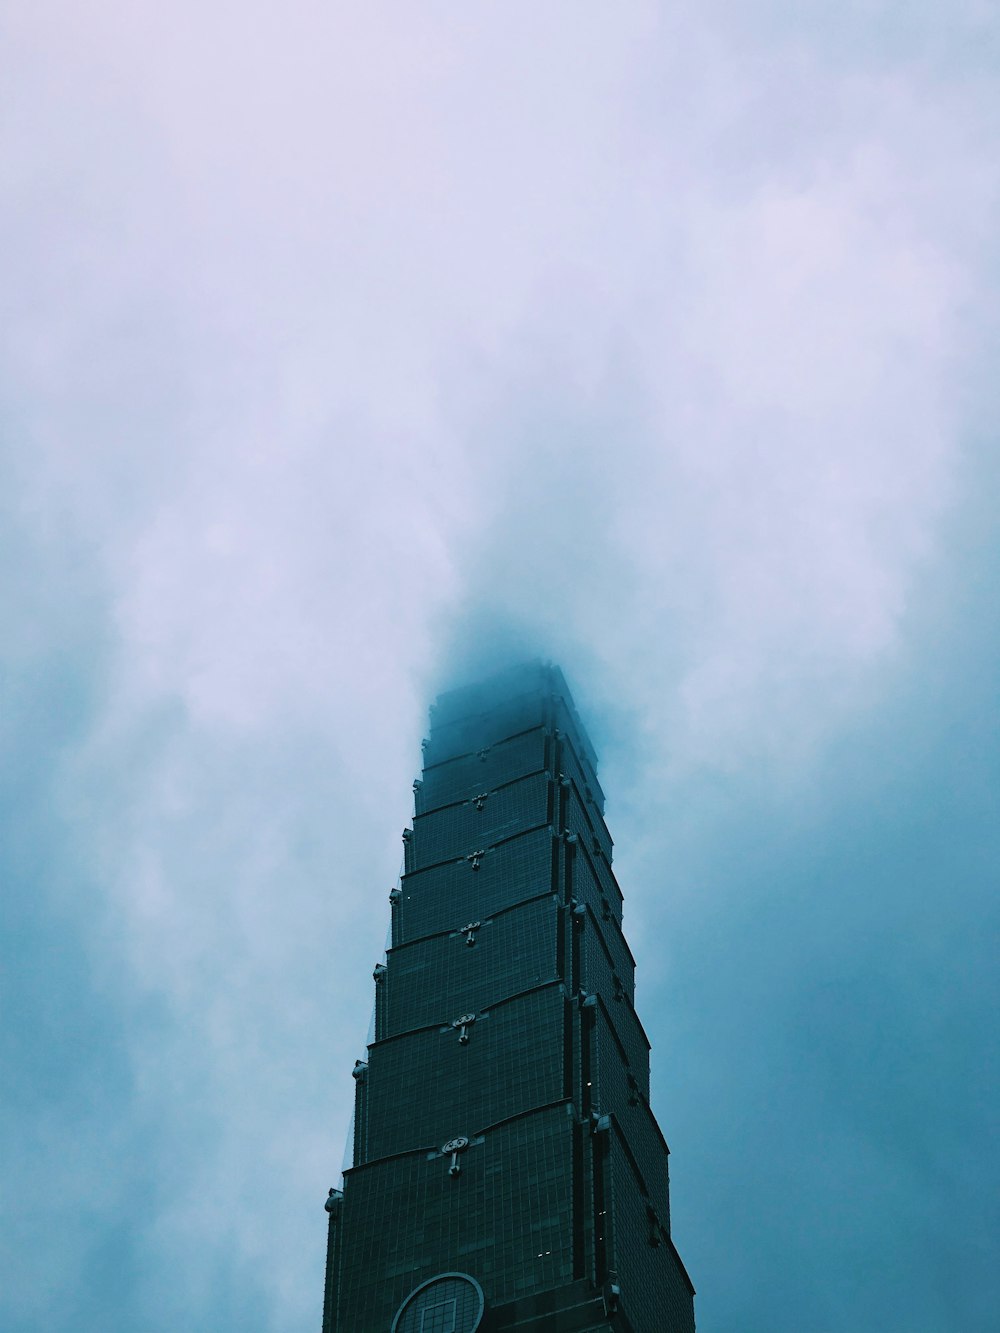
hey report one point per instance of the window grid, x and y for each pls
(445, 896)
(509, 1212)
(439, 1318)
(513, 1062)
(454, 830)
(434, 980)
(460, 736)
(654, 1292)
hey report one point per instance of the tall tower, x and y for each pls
(508, 1173)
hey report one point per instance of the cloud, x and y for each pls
(348, 354)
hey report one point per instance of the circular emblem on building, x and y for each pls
(448, 1303)
(455, 1145)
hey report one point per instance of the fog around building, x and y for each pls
(351, 352)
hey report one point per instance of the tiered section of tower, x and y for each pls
(503, 1127)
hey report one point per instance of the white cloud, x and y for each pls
(330, 329)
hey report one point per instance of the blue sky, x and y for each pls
(345, 354)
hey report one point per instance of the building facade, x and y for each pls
(508, 1173)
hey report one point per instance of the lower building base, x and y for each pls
(574, 1309)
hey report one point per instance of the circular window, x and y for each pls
(449, 1303)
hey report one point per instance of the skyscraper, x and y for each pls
(508, 1173)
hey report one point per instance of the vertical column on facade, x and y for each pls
(381, 978)
(395, 916)
(600, 1143)
(594, 1242)
(578, 1020)
(586, 1192)
(360, 1074)
(334, 1204)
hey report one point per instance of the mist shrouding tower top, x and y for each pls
(506, 1162)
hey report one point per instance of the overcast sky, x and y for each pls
(347, 350)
